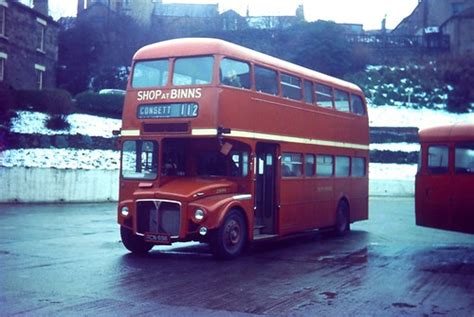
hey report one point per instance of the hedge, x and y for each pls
(103, 104)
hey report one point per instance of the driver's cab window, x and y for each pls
(438, 159)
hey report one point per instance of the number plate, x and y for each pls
(158, 238)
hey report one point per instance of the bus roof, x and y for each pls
(454, 132)
(206, 46)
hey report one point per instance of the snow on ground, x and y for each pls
(392, 171)
(61, 158)
(34, 122)
(394, 147)
(390, 116)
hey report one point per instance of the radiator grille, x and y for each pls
(158, 216)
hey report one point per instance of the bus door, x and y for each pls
(434, 189)
(266, 205)
(462, 185)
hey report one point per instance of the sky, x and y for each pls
(367, 12)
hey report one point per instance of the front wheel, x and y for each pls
(342, 219)
(135, 244)
(229, 240)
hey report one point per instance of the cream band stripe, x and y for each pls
(130, 132)
(281, 138)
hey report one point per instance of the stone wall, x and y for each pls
(46, 185)
(41, 185)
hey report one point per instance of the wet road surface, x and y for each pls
(68, 260)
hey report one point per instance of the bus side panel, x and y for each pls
(359, 199)
(433, 207)
(463, 203)
(323, 201)
(296, 207)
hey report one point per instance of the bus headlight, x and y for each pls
(124, 211)
(203, 231)
(199, 215)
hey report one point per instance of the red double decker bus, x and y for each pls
(225, 145)
(445, 178)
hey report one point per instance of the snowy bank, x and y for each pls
(391, 116)
(34, 122)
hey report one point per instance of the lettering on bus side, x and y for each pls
(158, 94)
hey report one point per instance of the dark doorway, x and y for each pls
(265, 188)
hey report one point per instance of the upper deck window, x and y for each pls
(193, 71)
(324, 96)
(308, 92)
(235, 73)
(342, 100)
(290, 87)
(150, 74)
(357, 105)
(266, 80)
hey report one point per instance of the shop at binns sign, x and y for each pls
(158, 94)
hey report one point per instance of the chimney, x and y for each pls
(80, 6)
(41, 6)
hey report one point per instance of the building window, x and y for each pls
(3, 58)
(40, 69)
(457, 7)
(41, 34)
(3, 16)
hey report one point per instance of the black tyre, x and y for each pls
(229, 240)
(342, 219)
(135, 244)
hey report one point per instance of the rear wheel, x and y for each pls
(133, 242)
(229, 240)
(342, 218)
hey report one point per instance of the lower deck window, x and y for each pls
(358, 166)
(324, 165)
(291, 165)
(342, 166)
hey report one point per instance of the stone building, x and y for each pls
(140, 10)
(434, 18)
(460, 28)
(28, 45)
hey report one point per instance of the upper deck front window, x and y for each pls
(235, 73)
(150, 74)
(193, 71)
